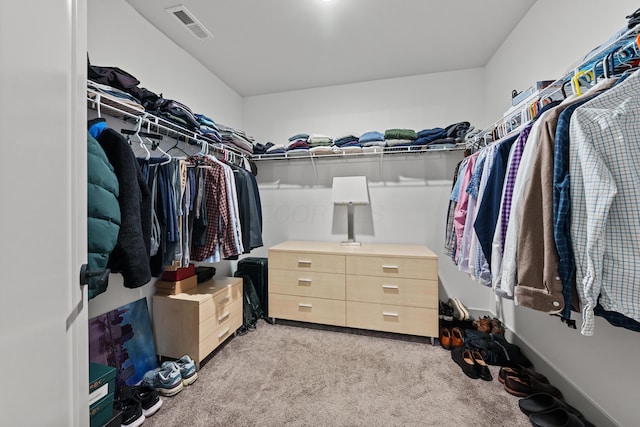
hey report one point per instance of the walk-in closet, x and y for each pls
(179, 246)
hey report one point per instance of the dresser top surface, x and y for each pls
(366, 249)
(205, 290)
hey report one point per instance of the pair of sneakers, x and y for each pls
(137, 403)
(186, 367)
(171, 377)
(459, 310)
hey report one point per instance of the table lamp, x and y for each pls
(350, 191)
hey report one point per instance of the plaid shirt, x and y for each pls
(449, 237)
(605, 220)
(219, 223)
(507, 194)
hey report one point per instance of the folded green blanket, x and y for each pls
(409, 134)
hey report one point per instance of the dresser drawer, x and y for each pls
(306, 261)
(412, 268)
(210, 324)
(219, 335)
(220, 300)
(306, 309)
(393, 290)
(393, 318)
(308, 284)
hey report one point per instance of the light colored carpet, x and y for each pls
(292, 374)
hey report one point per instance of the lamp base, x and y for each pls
(350, 243)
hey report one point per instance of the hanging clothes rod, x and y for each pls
(105, 104)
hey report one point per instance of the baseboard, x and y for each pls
(572, 394)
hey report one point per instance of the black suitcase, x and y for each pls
(257, 269)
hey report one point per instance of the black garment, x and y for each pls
(243, 202)
(130, 257)
(249, 208)
(256, 223)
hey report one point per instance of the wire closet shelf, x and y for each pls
(104, 103)
(619, 50)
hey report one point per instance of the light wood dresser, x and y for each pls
(198, 321)
(384, 287)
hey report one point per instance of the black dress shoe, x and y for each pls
(555, 418)
(481, 366)
(464, 359)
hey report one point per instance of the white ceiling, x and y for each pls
(267, 46)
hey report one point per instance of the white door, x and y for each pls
(43, 310)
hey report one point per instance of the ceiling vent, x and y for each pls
(188, 20)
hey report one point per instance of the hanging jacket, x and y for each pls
(130, 257)
(103, 212)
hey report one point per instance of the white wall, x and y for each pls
(409, 193)
(547, 42)
(119, 36)
(416, 102)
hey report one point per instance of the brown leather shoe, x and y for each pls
(527, 385)
(457, 337)
(484, 325)
(445, 338)
(496, 326)
(520, 371)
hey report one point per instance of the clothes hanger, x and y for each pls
(156, 146)
(176, 146)
(142, 144)
(575, 81)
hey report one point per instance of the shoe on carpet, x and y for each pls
(132, 415)
(147, 396)
(459, 310)
(481, 366)
(457, 337)
(445, 338)
(167, 380)
(527, 385)
(545, 402)
(520, 371)
(187, 368)
(555, 417)
(464, 359)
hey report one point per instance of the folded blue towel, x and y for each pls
(371, 136)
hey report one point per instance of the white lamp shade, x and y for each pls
(350, 189)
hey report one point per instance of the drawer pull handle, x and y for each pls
(389, 287)
(305, 305)
(223, 300)
(389, 314)
(304, 280)
(224, 316)
(225, 332)
(304, 261)
(390, 267)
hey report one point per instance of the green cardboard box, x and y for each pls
(102, 384)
